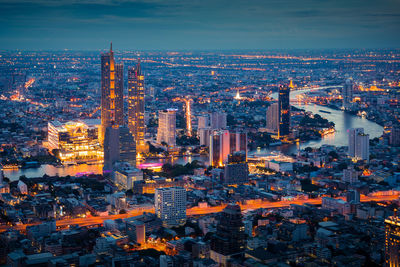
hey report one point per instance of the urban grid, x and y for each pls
(198, 158)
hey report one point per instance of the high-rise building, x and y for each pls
(204, 136)
(358, 144)
(136, 104)
(392, 241)
(119, 145)
(219, 148)
(112, 92)
(167, 127)
(75, 140)
(230, 238)
(273, 118)
(284, 110)
(347, 93)
(223, 143)
(237, 170)
(170, 205)
(218, 120)
(238, 142)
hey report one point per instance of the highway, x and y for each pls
(92, 220)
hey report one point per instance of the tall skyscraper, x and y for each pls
(136, 104)
(392, 241)
(358, 144)
(170, 205)
(347, 93)
(273, 118)
(284, 110)
(223, 143)
(219, 148)
(167, 127)
(119, 145)
(112, 92)
(238, 142)
(230, 239)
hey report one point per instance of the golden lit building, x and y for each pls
(75, 140)
(112, 92)
(136, 105)
(392, 241)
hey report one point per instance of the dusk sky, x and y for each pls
(199, 24)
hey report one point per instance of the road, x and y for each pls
(88, 221)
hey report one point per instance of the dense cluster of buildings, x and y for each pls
(197, 161)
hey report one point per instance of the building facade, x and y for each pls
(230, 238)
(167, 127)
(75, 140)
(170, 205)
(347, 93)
(112, 92)
(392, 241)
(284, 110)
(219, 148)
(272, 124)
(119, 145)
(136, 104)
(358, 144)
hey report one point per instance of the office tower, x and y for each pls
(112, 92)
(284, 110)
(167, 127)
(230, 239)
(238, 142)
(353, 196)
(347, 93)
(394, 138)
(237, 170)
(119, 145)
(273, 118)
(75, 141)
(358, 144)
(203, 122)
(219, 148)
(350, 175)
(392, 241)
(136, 104)
(353, 133)
(170, 205)
(218, 120)
(204, 136)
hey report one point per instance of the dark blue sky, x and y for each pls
(199, 24)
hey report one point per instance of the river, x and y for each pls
(343, 122)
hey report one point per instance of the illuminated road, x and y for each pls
(88, 221)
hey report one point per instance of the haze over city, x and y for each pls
(200, 25)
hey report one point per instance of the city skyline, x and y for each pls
(310, 24)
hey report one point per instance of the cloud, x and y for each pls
(171, 23)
